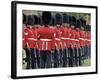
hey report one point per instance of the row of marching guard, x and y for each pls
(54, 41)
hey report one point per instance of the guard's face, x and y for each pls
(72, 26)
(77, 29)
(68, 25)
(82, 28)
(64, 24)
(58, 25)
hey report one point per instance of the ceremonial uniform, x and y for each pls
(46, 36)
(26, 32)
(31, 41)
(57, 45)
(45, 39)
(64, 45)
(72, 46)
(88, 42)
(82, 44)
(72, 42)
(77, 48)
(77, 44)
(25, 36)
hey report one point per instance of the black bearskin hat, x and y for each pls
(58, 18)
(78, 25)
(73, 21)
(65, 18)
(30, 20)
(24, 19)
(40, 19)
(53, 21)
(46, 17)
(88, 27)
(36, 19)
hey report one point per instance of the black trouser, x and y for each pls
(61, 57)
(33, 58)
(38, 57)
(71, 57)
(76, 57)
(82, 55)
(56, 58)
(68, 59)
(65, 57)
(45, 57)
(89, 51)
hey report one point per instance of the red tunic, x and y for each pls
(72, 38)
(32, 39)
(86, 39)
(77, 36)
(89, 38)
(25, 35)
(45, 38)
(68, 37)
(63, 36)
(57, 35)
(82, 39)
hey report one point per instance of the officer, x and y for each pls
(45, 37)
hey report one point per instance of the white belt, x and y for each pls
(57, 39)
(72, 39)
(64, 38)
(87, 39)
(46, 39)
(32, 39)
(68, 38)
(76, 40)
(81, 38)
(25, 33)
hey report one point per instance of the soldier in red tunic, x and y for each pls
(88, 41)
(65, 33)
(45, 37)
(57, 44)
(35, 41)
(77, 44)
(27, 33)
(31, 41)
(72, 42)
(82, 40)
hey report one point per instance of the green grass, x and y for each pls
(87, 62)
